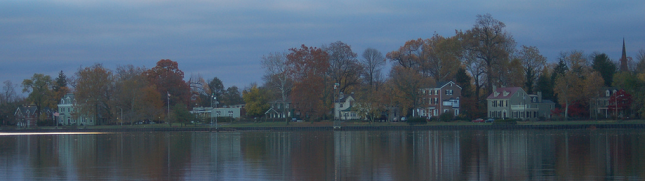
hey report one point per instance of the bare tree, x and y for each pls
(344, 67)
(640, 64)
(8, 92)
(489, 43)
(373, 62)
(277, 76)
(533, 64)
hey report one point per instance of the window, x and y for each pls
(494, 103)
(436, 100)
(506, 103)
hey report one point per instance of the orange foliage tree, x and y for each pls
(308, 68)
(169, 81)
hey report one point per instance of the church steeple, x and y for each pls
(623, 59)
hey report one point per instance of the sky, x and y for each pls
(227, 39)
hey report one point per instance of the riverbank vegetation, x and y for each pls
(309, 80)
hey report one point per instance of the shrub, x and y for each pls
(447, 116)
(505, 122)
(434, 118)
(416, 120)
(462, 117)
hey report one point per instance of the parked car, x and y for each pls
(490, 120)
(478, 120)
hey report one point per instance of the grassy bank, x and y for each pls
(246, 125)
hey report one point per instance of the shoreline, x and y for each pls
(343, 128)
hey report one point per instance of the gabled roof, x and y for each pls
(26, 110)
(445, 83)
(345, 97)
(504, 93)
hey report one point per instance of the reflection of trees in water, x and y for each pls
(326, 155)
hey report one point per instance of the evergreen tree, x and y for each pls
(605, 66)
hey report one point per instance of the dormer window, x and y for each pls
(614, 92)
(506, 93)
(496, 93)
(607, 93)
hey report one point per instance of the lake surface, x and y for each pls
(603, 154)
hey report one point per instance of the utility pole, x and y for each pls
(212, 108)
(168, 114)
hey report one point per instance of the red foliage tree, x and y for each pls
(620, 101)
(308, 67)
(169, 80)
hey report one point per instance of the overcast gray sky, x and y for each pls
(227, 39)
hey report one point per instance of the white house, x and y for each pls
(345, 108)
(66, 110)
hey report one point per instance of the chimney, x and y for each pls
(494, 88)
(539, 94)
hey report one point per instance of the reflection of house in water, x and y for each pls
(507, 153)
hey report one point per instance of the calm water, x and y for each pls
(327, 155)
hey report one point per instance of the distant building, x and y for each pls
(279, 109)
(513, 102)
(345, 107)
(26, 116)
(443, 98)
(234, 111)
(599, 105)
(67, 114)
(623, 59)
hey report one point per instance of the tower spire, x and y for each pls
(623, 59)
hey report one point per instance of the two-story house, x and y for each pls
(442, 98)
(345, 108)
(279, 109)
(599, 105)
(69, 116)
(26, 116)
(514, 102)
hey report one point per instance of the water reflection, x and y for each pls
(327, 155)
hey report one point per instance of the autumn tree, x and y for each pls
(605, 66)
(132, 94)
(277, 76)
(94, 88)
(533, 63)
(441, 57)
(407, 84)
(511, 73)
(489, 45)
(579, 83)
(408, 55)
(40, 92)
(169, 81)
(257, 101)
(371, 102)
(373, 63)
(308, 69)
(620, 103)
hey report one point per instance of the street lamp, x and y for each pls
(121, 115)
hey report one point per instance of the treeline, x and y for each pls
(311, 78)
(477, 59)
(133, 93)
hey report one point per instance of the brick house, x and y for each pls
(26, 116)
(442, 98)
